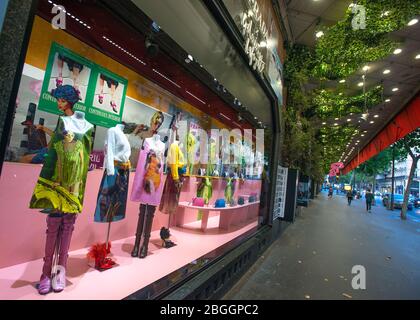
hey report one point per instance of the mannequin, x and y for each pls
(148, 186)
(173, 184)
(60, 189)
(112, 196)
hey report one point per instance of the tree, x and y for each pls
(376, 165)
(410, 145)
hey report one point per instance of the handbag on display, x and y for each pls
(198, 202)
(220, 203)
(254, 195)
(182, 170)
(241, 201)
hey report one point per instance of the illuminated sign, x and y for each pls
(255, 33)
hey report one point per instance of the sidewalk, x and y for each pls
(314, 257)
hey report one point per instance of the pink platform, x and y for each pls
(22, 236)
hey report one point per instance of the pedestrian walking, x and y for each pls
(330, 192)
(369, 198)
(349, 196)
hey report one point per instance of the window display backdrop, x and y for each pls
(143, 99)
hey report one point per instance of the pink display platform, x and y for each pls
(22, 238)
(22, 230)
(132, 274)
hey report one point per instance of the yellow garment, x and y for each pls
(175, 159)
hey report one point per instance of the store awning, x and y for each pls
(404, 122)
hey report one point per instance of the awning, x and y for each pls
(404, 122)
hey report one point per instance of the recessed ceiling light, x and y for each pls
(386, 71)
(319, 34)
(372, 122)
(366, 68)
(362, 135)
(342, 81)
(336, 124)
(394, 89)
(387, 100)
(324, 123)
(412, 22)
(397, 51)
(376, 116)
(349, 120)
(418, 56)
(336, 119)
(360, 84)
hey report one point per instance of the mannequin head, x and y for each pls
(67, 97)
(156, 121)
(68, 136)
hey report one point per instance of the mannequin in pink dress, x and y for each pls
(148, 186)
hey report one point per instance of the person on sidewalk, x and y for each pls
(330, 192)
(369, 198)
(349, 196)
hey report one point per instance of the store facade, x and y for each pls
(158, 155)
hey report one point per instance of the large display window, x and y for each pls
(112, 183)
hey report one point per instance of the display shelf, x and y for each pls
(230, 215)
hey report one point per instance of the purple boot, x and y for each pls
(53, 226)
(59, 281)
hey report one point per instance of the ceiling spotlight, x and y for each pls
(376, 116)
(366, 68)
(412, 22)
(362, 135)
(395, 89)
(336, 119)
(342, 81)
(152, 48)
(387, 100)
(324, 123)
(397, 51)
(319, 34)
(336, 124)
(189, 58)
(386, 71)
(417, 56)
(360, 84)
(371, 122)
(348, 120)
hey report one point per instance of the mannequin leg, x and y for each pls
(148, 229)
(53, 227)
(139, 232)
(59, 282)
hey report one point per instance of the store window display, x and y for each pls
(140, 187)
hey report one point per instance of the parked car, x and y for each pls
(416, 202)
(398, 201)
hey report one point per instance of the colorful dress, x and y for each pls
(112, 197)
(148, 186)
(62, 181)
(170, 197)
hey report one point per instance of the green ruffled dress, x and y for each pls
(62, 181)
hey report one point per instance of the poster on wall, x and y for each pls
(101, 93)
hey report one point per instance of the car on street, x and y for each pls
(416, 202)
(398, 201)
